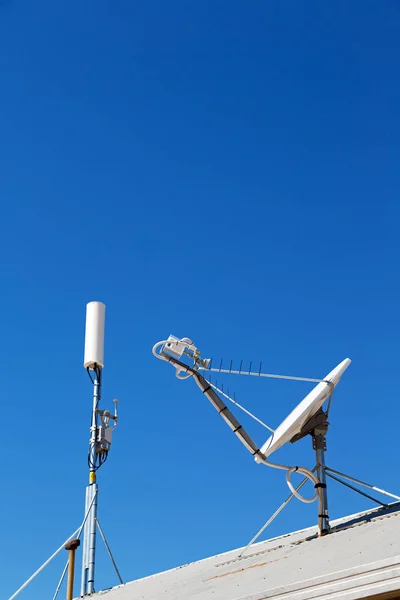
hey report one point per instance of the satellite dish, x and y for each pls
(304, 411)
(308, 418)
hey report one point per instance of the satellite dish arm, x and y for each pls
(213, 397)
(228, 417)
(248, 442)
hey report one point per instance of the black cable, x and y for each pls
(97, 370)
(100, 459)
(90, 464)
(94, 467)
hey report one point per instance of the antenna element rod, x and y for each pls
(259, 374)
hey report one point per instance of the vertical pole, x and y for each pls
(71, 546)
(84, 549)
(89, 543)
(319, 445)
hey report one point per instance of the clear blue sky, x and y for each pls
(222, 170)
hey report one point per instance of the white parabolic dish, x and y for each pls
(307, 408)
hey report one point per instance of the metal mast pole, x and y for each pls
(89, 540)
(319, 445)
(93, 362)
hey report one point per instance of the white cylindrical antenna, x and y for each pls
(94, 335)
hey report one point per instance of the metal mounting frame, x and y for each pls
(317, 427)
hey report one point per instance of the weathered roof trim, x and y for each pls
(355, 583)
(371, 578)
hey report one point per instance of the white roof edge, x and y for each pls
(286, 595)
(334, 523)
(368, 580)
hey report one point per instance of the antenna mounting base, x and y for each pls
(317, 426)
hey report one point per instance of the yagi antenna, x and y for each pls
(308, 418)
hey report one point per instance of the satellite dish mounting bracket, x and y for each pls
(319, 441)
(317, 426)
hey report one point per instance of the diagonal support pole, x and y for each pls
(79, 533)
(42, 567)
(276, 513)
(61, 581)
(109, 551)
(367, 485)
(352, 487)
